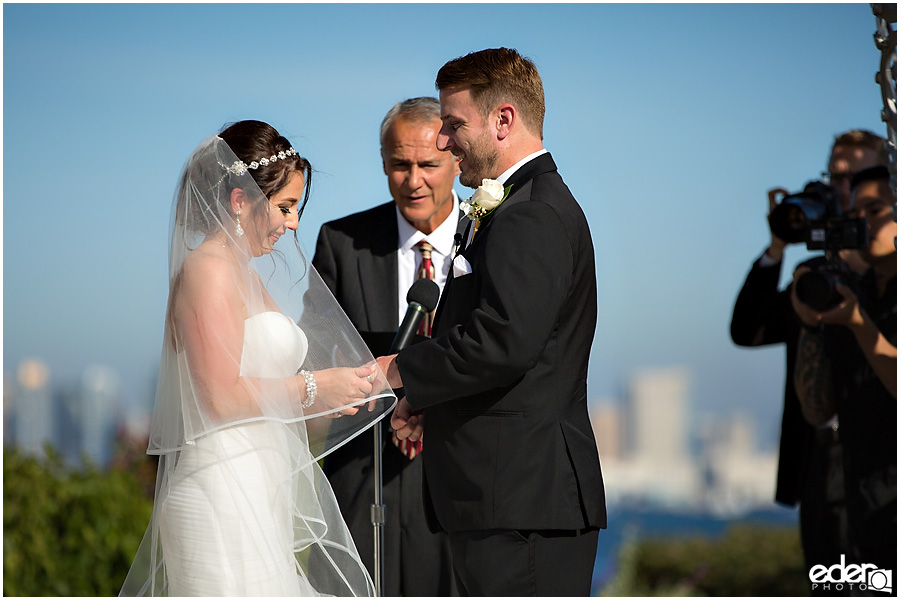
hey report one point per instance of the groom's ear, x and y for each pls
(506, 117)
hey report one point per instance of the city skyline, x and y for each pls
(666, 458)
(78, 419)
(99, 391)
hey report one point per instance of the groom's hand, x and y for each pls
(408, 424)
(388, 366)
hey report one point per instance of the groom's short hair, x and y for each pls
(495, 76)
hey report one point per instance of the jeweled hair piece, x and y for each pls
(240, 168)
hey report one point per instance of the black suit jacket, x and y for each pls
(359, 252)
(504, 380)
(763, 316)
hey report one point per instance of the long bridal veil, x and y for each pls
(257, 456)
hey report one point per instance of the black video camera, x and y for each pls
(814, 216)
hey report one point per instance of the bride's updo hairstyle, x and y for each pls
(252, 141)
(249, 155)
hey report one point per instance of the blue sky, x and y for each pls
(668, 122)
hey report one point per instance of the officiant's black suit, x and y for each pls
(357, 258)
(503, 381)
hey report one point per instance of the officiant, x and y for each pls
(369, 260)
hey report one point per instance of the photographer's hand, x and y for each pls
(809, 316)
(847, 312)
(811, 384)
(775, 251)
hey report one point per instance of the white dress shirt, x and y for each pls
(409, 258)
(504, 177)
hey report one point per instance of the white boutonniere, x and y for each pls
(489, 195)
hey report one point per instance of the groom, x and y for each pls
(511, 473)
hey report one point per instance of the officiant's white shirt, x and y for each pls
(409, 259)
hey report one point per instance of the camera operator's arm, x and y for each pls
(881, 354)
(775, 251)
(813, 380)
(760, 311)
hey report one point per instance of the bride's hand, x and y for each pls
(343, 386)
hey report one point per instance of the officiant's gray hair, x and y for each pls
(424, 109)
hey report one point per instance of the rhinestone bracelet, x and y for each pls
(311, 389)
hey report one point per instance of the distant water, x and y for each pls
(667, 524)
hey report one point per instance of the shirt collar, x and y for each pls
(441, 238)
(509, 172)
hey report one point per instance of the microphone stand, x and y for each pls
(377, 510)
(377, 514)
(422, 299)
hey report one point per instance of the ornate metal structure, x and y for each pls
(886, 77)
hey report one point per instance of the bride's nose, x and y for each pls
(292, 220)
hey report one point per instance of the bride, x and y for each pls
(248, 400)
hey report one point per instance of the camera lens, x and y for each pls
(791, 219)
(816, 290)
(789, 223)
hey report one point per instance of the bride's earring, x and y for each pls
(237, 228)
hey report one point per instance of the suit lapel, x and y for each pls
(378, 271)
(462, 235)
(538, 166)
(463, 232)
(519, 182)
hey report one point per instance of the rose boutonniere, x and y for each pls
(489, 195)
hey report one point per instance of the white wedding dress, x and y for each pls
(227, 525)
(241, 507)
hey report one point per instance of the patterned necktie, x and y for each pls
(425, 271)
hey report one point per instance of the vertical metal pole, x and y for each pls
(416, 311)
(378, 514)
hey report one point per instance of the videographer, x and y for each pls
(847, 365)
(810, 465)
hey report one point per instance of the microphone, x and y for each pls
(422, 298)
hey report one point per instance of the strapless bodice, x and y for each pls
(274, 346)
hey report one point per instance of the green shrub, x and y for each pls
(748, 560)
(68, 532)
